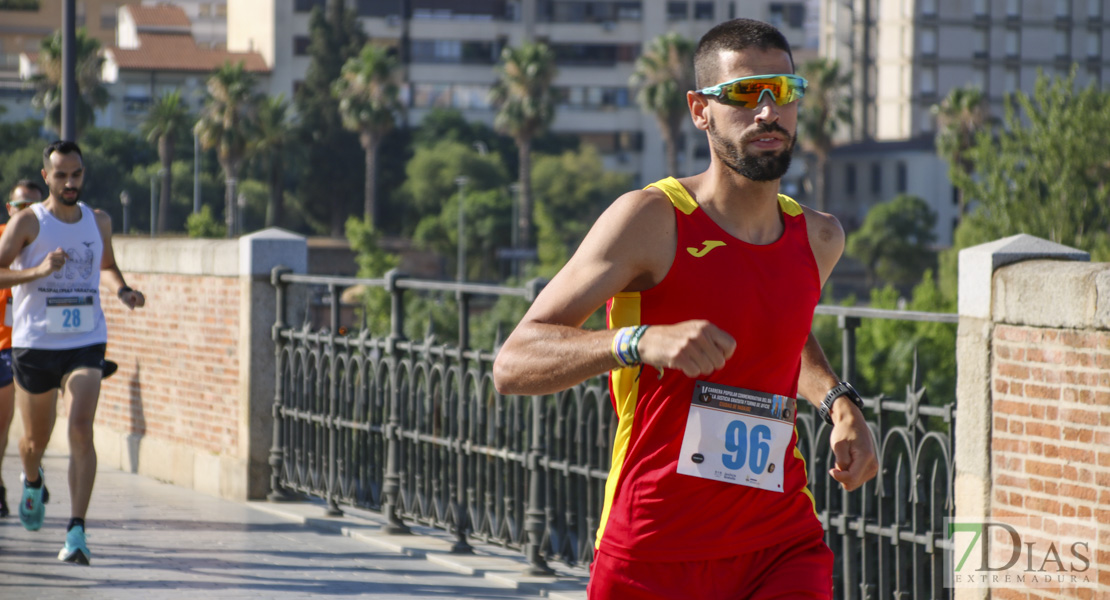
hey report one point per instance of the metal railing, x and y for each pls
(416, 430)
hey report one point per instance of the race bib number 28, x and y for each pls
(72, 314)
(737, 436)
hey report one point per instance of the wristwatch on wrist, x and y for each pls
(842, 389)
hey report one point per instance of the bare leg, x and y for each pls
(82, 388)
(7, 411)
(39, 412)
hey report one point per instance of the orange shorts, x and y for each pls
(794, 569)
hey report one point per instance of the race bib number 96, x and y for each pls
(71, 314)
(737, 436)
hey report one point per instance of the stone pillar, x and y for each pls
(977, 266)
(259, 253)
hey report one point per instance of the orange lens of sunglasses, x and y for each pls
(748, 91)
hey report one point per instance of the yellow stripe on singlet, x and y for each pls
(624, 313)
(680, 198)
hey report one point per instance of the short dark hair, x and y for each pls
(24, 183)
(61, 147)
(736, 35)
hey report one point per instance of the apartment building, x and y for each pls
(22, 31)
(905, 57)
(207, 20)
(157, 53)
(453, 48)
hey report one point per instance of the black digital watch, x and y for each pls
(842, 389)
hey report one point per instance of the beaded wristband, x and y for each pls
(619, 347)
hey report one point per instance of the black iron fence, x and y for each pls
(416, 430)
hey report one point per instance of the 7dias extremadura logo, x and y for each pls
(1044, 553)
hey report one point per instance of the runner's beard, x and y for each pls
(67, 201)
(762, 167)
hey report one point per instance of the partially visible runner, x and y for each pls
(24, 194)
(56, 255)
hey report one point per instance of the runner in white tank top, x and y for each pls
(56, 257)
(62, 310)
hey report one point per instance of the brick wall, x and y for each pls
(179, 363)
(1051, 440)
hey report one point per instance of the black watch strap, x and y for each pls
(842, 389)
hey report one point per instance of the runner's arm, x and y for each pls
(627, 249)
(850, 439)
(110, 275)
(22, 230)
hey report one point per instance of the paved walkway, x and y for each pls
(151, 540)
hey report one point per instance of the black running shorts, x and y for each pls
(39, 371)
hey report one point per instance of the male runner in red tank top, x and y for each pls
(711, 282)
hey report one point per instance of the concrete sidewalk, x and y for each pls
(151, 540)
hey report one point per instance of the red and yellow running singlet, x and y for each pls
(5, 309)
(763, 296)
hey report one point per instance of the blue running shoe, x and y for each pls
(75, 550)
(31, 510)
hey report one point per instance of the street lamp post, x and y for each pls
(153, 202)
(196, 173)
(461, 274)
(125, 201)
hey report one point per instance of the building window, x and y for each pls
(928, 81)
(979, 78)
(303, 6)
(787, 14)
(221, 9)
(1012, 43)
(955, 196)
(1094, 44)
(928, 8)
(595, 55)
(1013, 8)
(1063, 8)
(80, 18)
(927, 123)
(1094, 8)
(1063, 43)
(850, 179)
(300, 45)
(204, 9)
(109, 16)
(982, 43)
(676, 11)
(876, 178)
(1094, 75)
(900, 176)
(1012, 80)
(929, 42)
(981, 7)
(703, 11)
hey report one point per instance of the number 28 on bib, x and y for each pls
(737, 436)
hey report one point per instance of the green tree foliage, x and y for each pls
(167, 120)
(368, 105)
(204, 225)
(228, 124)
(525, 109)
(960, 117)
(825, 108)
(663, 74)
(430, 176)
(895, 241)
(91, 93)
(572, 189)
(1044, 172)
(434, 195)
(270, 146)
(332, 167)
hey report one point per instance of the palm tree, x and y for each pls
(167, 119)
(960, 116)
(368, 104)
(525, 108)
(826, 107)
(91, 93)
(270, 142)
(227, 123)
(664, 73)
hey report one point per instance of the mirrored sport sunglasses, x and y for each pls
(748, 91)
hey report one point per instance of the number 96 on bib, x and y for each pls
(737, 436)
